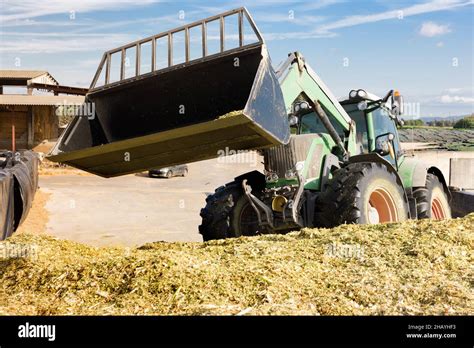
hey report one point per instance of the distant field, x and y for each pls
(448, 138)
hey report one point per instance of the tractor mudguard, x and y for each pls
(413, 173)
(254, 178)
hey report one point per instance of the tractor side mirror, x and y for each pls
(398, 103)
(383, 144)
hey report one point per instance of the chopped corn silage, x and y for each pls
(417, 267)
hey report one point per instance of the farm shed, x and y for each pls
(32, 117)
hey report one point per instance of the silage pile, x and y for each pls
(420, 267)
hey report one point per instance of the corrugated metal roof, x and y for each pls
(21, 74)
(12, 99)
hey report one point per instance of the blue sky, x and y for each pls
(424, 49)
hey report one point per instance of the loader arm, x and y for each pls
(296, 78)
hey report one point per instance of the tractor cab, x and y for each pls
(376, 122)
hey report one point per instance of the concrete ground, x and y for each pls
(135, 209)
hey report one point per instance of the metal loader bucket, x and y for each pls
(183, 113)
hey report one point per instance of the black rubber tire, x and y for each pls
(220, 216)
(425, 195)
(345, 198)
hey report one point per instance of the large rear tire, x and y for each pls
(431, 200)
(361, 193)
(228, 214)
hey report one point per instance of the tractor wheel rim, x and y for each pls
(382, 207)
(437, 209)
(248, 220)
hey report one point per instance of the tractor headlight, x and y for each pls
(290, 174)
(361, 93)
(353, 94)
(299, 106)
(271, 177)
(299, 166)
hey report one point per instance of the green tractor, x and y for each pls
(342, 164)
(326, 162)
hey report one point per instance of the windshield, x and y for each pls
(384, 124)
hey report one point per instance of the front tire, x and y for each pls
(431, 200)
(361, 193)
(228, 214)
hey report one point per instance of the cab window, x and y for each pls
(383, 124)
(310, 123)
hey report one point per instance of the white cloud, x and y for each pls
(440, 44)
(432, 6)
(327, 30)
(455, 99)
(299, 35)
(454, 90)
(430, 29)
(297, 6)
(316, 5)
(62, 42)
(13, 10)
(297, 19)
(31, 23)
(149, 21)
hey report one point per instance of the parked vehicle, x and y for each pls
(169, 172)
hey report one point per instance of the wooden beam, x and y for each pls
(60, 89)
(31, 127)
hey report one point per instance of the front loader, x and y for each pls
(342, 164)
(150, 116)
(326, 162)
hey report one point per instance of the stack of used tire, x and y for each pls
(18, 184)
